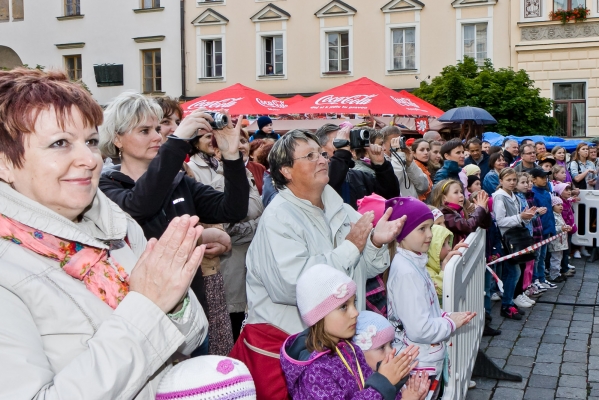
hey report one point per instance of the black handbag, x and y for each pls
(516, 239)
(582, 185)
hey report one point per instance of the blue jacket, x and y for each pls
(491, 182)
(449, 170)
(542, 198)
(524, 206)
(483, 165)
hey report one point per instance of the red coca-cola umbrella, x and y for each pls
(361, 97)
(295, 99)
(238, 99)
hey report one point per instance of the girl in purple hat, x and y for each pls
(413, 306)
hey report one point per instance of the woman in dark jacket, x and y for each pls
(149, 183)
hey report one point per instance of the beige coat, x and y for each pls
(233, 263)
(57, 339)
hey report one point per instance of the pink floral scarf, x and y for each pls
(103, 277)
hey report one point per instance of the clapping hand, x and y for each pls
(462, 318)
(454, 252)
(482, 200)
(386, 231)
(395, 367)
(360, 230)
(417, 387)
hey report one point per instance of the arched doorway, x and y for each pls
(8, 58)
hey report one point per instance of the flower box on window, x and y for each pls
(577, 14)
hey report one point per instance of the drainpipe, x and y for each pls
(183, 89)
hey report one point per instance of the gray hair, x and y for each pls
(125, 112)
(510, 141)
(282, 154)
(324, 131)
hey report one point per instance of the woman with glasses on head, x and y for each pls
(232, 265)
(306, 224)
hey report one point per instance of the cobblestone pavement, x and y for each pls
(554, 347)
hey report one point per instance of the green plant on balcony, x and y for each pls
(577, 14)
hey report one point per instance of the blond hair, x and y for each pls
(440, 190)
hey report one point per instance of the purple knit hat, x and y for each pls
(417, 213)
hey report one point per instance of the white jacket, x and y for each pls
(417, 182)
(506, 217)
(57, 339)
(412, 302)
(294, 235)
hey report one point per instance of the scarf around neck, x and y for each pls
(102, 276)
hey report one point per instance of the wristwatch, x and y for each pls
(340, 143)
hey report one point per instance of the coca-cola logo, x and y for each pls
(215, 104)
(359, 99)
(402, 101)
(271, 103)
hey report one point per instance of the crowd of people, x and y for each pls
(146, 255)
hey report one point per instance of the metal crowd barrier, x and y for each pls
(585, 213)
(463, 290)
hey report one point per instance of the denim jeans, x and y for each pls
(566, 257)
(511, 274)
(539, 272)
(489, 281)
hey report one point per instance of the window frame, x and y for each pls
(460, 34)
(261, 56)
(74, 3)
(77, 63)
(213, 58)
(200, 60)
(569, 104)
(389, 70)
(155, 4)
(569, 7)
(154, 77)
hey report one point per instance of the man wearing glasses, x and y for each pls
(529, 157)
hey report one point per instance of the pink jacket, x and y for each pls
(568, 215)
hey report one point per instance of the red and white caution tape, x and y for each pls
(529, 249)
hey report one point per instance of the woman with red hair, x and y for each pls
(90, 309)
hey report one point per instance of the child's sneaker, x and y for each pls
(540, 287)
(532, 291)
(549, 285)
(572, 267)
(569, 273)
(528, 299)
(511, 312)
(577, 254)
(495, 297)
(559, 279)
(584, 252)
(520, 302)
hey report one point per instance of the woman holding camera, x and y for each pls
(149, 184)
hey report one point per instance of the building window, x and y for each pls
(570, 108)
(71, 7)
(150, 4)
(273, 55)
(568, 4)
(152, 71)
(213, 58)
(403, 48)
(475, 42)
(73, 66)
(338, 52)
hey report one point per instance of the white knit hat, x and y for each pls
(320, 290)
(207, 377)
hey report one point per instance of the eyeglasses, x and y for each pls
(314, 156)
(529, 153)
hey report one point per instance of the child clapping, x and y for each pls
(374, 335)
(321, 362)
(413, 307)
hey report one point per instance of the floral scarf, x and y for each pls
(103, 277)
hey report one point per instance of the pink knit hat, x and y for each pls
(321, 289)
(375, 203)
(560, 187)
(372, 331)
(556, 200)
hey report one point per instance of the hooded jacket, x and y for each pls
(561, 243)
(491, 182)
(433, 265)
(294, 235)
(414, 311)
(57, 339)
(507, 210)
(450, 170)
(542, 198)
(568, 215)
(320, 375)
(462, 227)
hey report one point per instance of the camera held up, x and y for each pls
(359, 138)
(220, 120)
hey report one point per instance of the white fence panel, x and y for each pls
(463, 290)
(586, 218)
